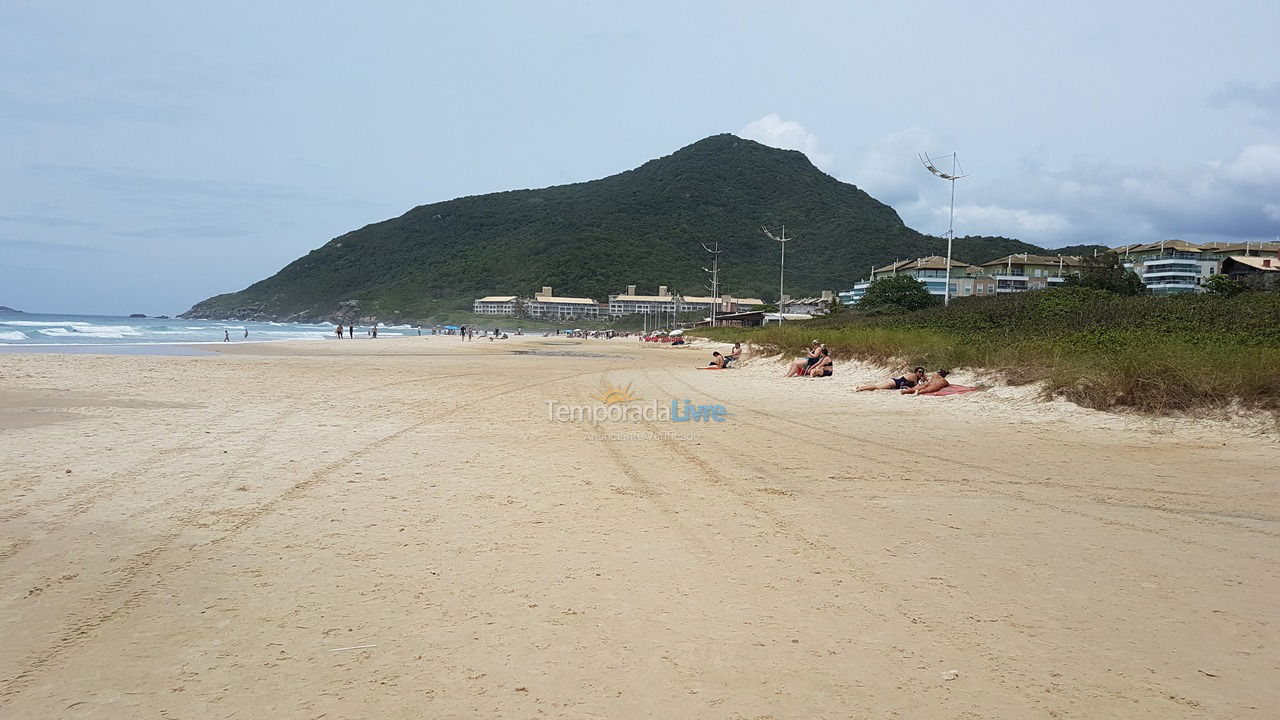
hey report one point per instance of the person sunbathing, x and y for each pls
(903, 382)
(717, 362)
(823, 367)
(935, 383)
(801, 366)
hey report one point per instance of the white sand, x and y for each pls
(394, 529)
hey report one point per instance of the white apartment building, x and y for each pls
(547, 305)
(504, 305)
(629, 303)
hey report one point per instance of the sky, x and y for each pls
(153, 154)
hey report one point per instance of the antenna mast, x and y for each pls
(782, 267)
(956, 173)
(715, 279)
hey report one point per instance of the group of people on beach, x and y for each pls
(817, 363)
(916, 382)
(721, 361)
(350, 331)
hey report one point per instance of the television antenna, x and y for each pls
(782, 266)
(715, 279)
(957, 173)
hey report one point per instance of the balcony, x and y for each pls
(1171, 274)
(1172, 261)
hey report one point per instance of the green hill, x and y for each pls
(643, 226)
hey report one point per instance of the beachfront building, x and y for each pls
(548, 305)
(965, 280)
(728, 303)
(754, 318)
(1022, 271)
(1263, 272)
(504, 305)
(809, 306)
(1171, 266)
(631, 303)
(1178, 266)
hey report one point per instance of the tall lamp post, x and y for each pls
(782, 266)
(956, 173)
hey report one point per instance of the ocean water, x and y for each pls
(71, 332)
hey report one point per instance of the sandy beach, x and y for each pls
(398, 529)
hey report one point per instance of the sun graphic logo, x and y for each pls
(611, 394)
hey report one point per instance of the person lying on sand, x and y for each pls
(935, 383)
(906, 381)
(823, 367)
(717, 362)
(801, 365)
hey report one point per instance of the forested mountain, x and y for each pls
(644, 226)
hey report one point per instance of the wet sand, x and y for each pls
(397, 529)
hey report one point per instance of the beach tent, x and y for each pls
(677, 332)
(450, 327)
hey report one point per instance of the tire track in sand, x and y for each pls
(106, 607)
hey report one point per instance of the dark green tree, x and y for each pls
(901, 291)
(1107, 272)
(1223, 285)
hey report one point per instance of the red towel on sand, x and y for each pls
(952, 390)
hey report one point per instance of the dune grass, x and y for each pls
(1155, 354)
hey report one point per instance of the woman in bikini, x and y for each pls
(936, 383)
(905, 382)
(801, 366)
(823, 367)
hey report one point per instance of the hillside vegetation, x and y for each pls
(644, 227)
(1098, 349)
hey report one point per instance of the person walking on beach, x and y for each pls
(463, 332)
(375, 332)
(339, 332)
(226, 336)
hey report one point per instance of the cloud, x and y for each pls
(1262, 101)
(1013, 221)
(48, 246)
(1229, 198)
(890, 172)
(1219, 199)
(773, 131)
